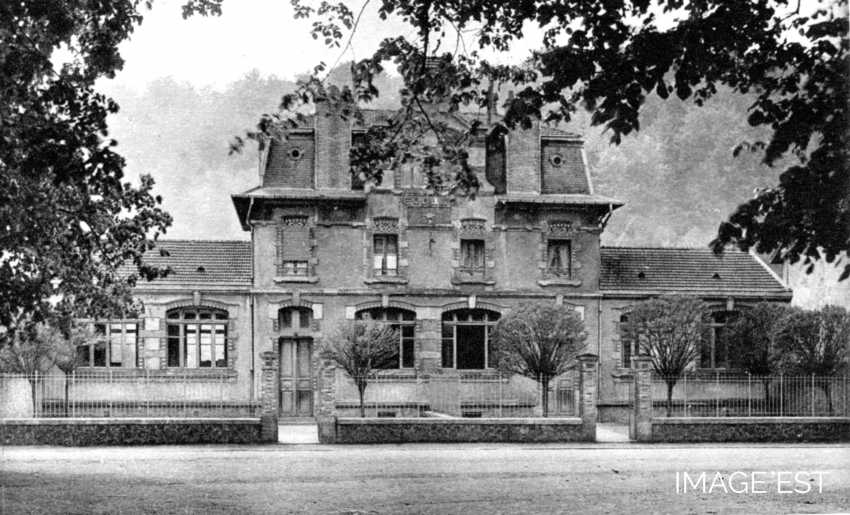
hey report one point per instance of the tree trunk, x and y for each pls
(670, 385)
(828, 392)
(34, 397)
(766, 384)
(544, 396)
(67, 388)
(361, 390)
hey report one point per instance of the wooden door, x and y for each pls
(296, 385)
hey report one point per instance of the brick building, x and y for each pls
(325, 248)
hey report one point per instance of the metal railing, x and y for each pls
(471, 395)
(723, 395)
(107, 394)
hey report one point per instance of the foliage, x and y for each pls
(752, 338)
(33, 349)
(609, 58)
(814, 342)
(539, 341)
(68, 219)
(669, 330)
(359, 348)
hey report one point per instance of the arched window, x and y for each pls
(466, 338)
(295, 319)
(714, 351)
(404, 321)
(197, 337)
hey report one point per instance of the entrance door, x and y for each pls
(296, 388)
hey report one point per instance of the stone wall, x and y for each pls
(751, 429)
(153, 431)
(406, 430)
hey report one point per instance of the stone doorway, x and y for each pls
(296, 377)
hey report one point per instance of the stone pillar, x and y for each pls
(428, 335)
(640, 427)
(326, 402)
(269, 396)
(587, 364)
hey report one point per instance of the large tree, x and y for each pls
(815, 343)
(539, 341)
(669, 330)
(68, 217)
(608, 58)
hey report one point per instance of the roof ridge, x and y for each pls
(655, 247)
(189, 240)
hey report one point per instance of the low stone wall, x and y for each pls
(143, 431)
(751, 429)
(405, 430)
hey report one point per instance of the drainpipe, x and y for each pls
(251, 386)
(598, 349)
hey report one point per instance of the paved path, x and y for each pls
(468, 479)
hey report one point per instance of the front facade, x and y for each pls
(325, 248)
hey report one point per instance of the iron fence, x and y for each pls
(106, 394)
(720, 395)
(470, 395)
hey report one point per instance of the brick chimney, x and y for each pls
(333, 144)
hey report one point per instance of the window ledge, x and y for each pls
(473, 280)
(623, 373)
(385, 280)
(559, 282)
(296, 279)
(171, 374)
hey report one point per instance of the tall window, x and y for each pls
(293, 247)
(472, 257)
(466, 338)
(627, 345)
(115, 345)
(559, 257)
(385, 254)
(197, 338)
(403, 321)
(714, 352)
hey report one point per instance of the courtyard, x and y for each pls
(454, 478)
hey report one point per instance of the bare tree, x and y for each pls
(669, 329)
(33, 349)
(815, 343)
(360, 347)
(539, 341)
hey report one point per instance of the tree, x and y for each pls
(67, 359)
(68, 218)
(609, 58)
(815, 343)
(539, 341)
(670, 330)
(33, 350)
(359, 348)
(752, 345)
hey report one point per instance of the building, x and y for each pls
(324, 248)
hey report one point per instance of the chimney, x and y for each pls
(333, 144)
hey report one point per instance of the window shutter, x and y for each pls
(296, 244)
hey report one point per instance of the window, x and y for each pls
(402, 320)
(293, 247)
(466, 338)
(296, 318)
(197, 338)
(385, 254)
(115, 345)
(626, 344)
(559, 257)
(472, 257)
(714, 351)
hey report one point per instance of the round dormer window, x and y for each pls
(296, 153)
(556, 159)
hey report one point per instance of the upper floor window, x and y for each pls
(293, 247)
(115, 345)
(197, 338)
(559, 257)
(472, 256)
(714, 351)
(385, 254)
(466, 338)
(403, 321)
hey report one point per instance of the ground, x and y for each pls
(457, 478)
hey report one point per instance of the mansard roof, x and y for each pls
(692, 271)
(208, 262)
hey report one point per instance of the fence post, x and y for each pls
(587, 370)
(501, 395)
(685, 388)
(749, 395)
(269, 397)
(717, 394)
(641, 427)
(781, 394)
